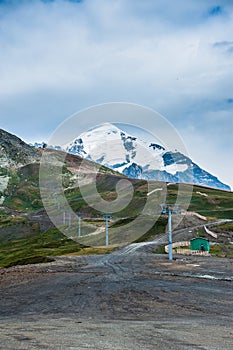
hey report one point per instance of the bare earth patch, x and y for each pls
(118, 301)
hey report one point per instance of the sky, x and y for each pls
(175, 57)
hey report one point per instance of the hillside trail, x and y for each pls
(161, 239)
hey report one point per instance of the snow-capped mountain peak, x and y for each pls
(115, 148)
(109, 145)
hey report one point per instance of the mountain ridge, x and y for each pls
(114, 148)
(14, 151)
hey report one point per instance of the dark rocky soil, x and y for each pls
(130, 299)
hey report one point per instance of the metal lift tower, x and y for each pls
(79, 216)
(169, 209)
(106, 217)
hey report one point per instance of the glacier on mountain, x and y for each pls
(111, 146)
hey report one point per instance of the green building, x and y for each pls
(199, 243)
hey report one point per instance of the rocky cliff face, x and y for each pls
(14, 153)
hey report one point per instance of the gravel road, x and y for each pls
(130, 299)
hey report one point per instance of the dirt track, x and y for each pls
(131, 299)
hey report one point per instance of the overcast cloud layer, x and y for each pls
(58, 57)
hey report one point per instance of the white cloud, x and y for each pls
(60, 55)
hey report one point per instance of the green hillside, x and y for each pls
(23, 194)
(25, 240)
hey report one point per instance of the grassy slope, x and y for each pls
(23, 195)
(34, 249)
(41, 248)
(216, 203)
(23, 192)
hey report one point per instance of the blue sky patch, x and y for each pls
(216, 10)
